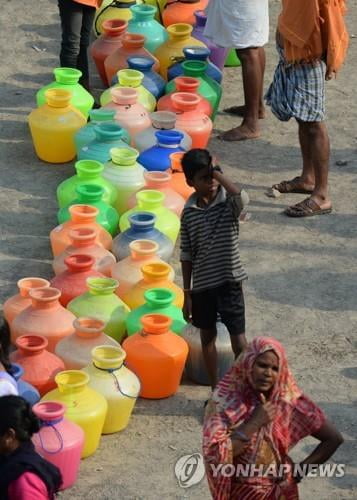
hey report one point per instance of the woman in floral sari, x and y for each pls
(256, 415)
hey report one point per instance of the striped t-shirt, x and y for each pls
(210, 240)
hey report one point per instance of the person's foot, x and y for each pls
(296, 185)
(240, 111)
(309, 207)
(241, 133)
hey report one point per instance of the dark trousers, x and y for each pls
(76, 22)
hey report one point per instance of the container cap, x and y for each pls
(156, 324)
(67, 76)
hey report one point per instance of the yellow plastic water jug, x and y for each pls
(85, 407)
(119, 385)
(54, 125)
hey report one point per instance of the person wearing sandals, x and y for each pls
(244, 26)
(312, 42)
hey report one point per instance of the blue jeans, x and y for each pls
(76, 23)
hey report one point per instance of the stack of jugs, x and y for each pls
(105, 293)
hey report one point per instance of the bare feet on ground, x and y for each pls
(240, 111)
(241, 133)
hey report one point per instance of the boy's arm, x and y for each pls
(237, 197)
(232, 188)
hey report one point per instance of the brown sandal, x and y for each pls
(306, 208)
(293, 186)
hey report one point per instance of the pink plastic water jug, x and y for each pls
(59, 440)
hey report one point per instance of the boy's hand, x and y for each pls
(187, 307)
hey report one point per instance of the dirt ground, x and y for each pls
(302, 273)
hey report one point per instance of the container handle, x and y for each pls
(51, 424)
(111, 372)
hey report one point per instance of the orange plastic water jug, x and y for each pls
(182, 11)
(189, 118)
(107, 43)
(84, 406)
(45, 316)
(157, 356)
(84, 242)
(155, 275)
(54, 125)
(128, 271)
(76, 349)
(17, 303)
(185, 84)
(178, 181)
(40, 366)
(81, 216)
(119, 385)
(132, 45)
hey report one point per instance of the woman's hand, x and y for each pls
(264, 413)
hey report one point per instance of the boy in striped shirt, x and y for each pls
(211, 267)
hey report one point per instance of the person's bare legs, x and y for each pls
(315, 149)
(252, 83)
(209, 352)
(238, 343)
(241, 110)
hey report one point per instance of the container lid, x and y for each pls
(159, 296)
(79, 262)
(124, 95)
(156, 324)
(196, 52)
(179, 30)
(143, 247)
(49, 411)
(26, 284)
(102, 285)
(101, 115)
(90, 192)
(31, 343)
(163, 119)
(71, 379)
(114, 27)
(169, 137)
(144, 219)
(141, 63)
(124, 156)
(107, 357)
(88, 168)
(67, 76)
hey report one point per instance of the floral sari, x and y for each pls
(232, 403)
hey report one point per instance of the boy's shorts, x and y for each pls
(226, 301)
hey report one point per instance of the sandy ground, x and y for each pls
(302, 273)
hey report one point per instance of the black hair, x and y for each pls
(195, 160)
(5, 344)
(16, 414)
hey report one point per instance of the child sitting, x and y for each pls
(24, 475)
(210, 255)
